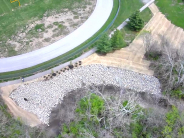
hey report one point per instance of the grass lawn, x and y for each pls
(127, 8)
(129, 35)
(13, 17)
(174, 11)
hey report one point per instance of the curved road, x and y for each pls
(89, 28)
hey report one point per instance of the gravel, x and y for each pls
(44, 95)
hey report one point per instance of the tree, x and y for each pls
(169, 67)
(104, 44)
(117, 41)
(135, 22)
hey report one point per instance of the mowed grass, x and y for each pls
(128, 7)
(14, 18)
(129, 35)
(7, 7)
(174, 11)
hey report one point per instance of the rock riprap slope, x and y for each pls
(40, 97)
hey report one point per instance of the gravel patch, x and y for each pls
(42, 96)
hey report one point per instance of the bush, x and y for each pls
(171, 119)
(153, 55)
(40, 27)
(104, 45)
(88, 110)
(135, 22)
(177, 94)
(94, 105)
(117, 41)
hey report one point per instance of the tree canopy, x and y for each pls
(135, 22)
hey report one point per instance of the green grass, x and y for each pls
(61, 59)
(14, 18)
(127, 8)
(146, 15)
(174, 11)
(129, 35)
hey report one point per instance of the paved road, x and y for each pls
(89, 28)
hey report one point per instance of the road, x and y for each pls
(97, 19)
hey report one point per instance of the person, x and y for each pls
(22, 79)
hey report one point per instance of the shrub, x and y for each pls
(40, 27)
(88, 109)
(171, 119)
(104, 45)
(153, 55)
(94, 105)
(135, 22)
(117, 41)
(177, 94)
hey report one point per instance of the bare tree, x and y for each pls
(169, 68)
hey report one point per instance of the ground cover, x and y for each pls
(173, 9)
(18, 23)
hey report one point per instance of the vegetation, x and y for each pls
(89, 110)
(104, 44)
(99, 116)
(167, 64)
(117, 41)
(173, 9)
(135, 22)
(127, 8)
(15, 17)
(11, 128)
